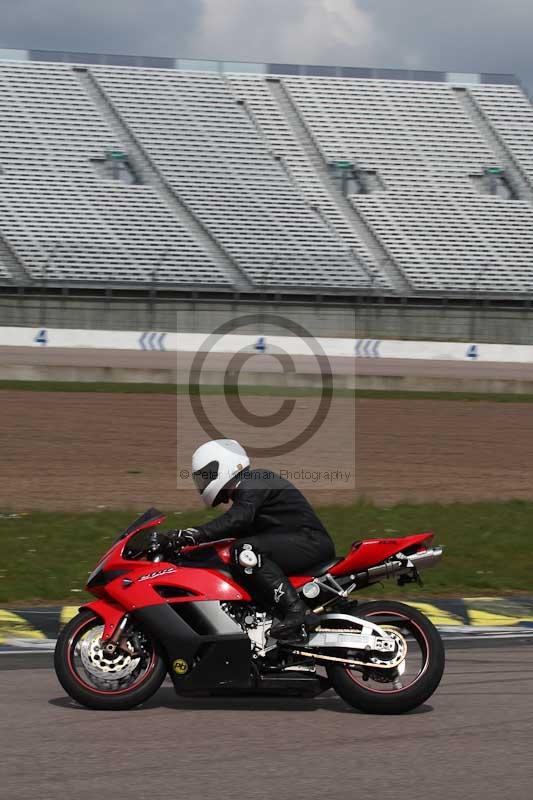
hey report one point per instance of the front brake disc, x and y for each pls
(99, 664)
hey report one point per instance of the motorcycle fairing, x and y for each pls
(139, 582)
(200, 635)
(142, 587)
(371, 552)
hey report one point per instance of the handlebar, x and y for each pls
(162, 544)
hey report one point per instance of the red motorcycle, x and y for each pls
(159, 612)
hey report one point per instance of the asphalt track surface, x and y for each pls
(140, 359)
(471, 741)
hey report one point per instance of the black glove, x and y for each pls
(188, 537)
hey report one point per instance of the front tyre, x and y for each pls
(125, 680)
(379, 691)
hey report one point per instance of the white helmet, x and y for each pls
(214, 465)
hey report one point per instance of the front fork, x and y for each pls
(115, 620)
(111, 645)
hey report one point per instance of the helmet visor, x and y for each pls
(203, 477)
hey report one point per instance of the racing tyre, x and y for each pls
(96, 680)
(394, 691)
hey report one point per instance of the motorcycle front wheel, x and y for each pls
(96, 680)
(394, 691)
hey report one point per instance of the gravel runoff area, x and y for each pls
(84, 451)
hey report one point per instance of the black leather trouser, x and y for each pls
(281, 555)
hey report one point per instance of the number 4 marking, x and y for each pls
(472, 351)
(42, 337)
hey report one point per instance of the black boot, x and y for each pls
(270, 584)
(296, 624)
(295, 619)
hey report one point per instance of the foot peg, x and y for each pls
(293, 635)
(295, 627)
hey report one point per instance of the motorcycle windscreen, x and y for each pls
(148, 519)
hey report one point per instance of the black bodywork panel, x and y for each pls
(202, 639)
(101, 577)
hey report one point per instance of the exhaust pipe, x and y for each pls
(428, 558)
(402, 565)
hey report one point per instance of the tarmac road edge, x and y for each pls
(36, 629)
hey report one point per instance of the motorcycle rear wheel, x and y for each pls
(370, 690)
(104, 683)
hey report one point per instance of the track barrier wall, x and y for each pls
(479, 321)
(158, 341)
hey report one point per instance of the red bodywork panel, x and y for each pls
(371, 552)
(137, 581)
(109, 613)
(189, 583)
(132, 584)
(223, 550)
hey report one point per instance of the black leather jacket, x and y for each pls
(263, 502)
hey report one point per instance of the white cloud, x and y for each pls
(480, 35)
(276, 30)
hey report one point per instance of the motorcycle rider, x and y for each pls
(277, 531)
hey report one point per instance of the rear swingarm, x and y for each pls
(375, 664)
(372, 639)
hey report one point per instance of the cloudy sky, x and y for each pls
(455, 35)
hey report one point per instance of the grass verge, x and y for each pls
(261, 391)
(167, 388)
(489, 547)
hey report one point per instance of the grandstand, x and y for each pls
(212, 179)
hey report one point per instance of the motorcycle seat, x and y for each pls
(320, 569)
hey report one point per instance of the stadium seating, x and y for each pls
(445, 235)
(509, 111)
(281, 139)
(206, 147)
(413, 133)
(59, 216)
(241, 192)
(449, 244)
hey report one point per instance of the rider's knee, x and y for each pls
(246, 557)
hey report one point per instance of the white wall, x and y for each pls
(172, 342)
(192, 342)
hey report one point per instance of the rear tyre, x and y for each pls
(97, 681)
(394, 692)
